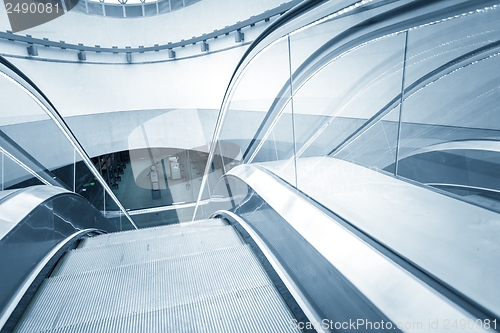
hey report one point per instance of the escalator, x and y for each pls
(197, 276)
(318, 223)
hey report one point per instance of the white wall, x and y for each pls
(78, 89)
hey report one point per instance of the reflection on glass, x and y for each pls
(216, 168)
(156, 160)
(164, 215)
(262, 88)
(165, 178)
(120, 220)
(375, 148)
(34, 135)
(349, 91)
(450, 130)
(279, 146)
(11, 150)
(307, 42)
(153, 177)
(14, 176)
(432, 46)
(87, 185)
(421, 107)
(344, 100)
(37, 148)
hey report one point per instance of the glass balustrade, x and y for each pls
(416, 102)
(38, 149)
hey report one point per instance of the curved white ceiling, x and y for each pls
(202, 17)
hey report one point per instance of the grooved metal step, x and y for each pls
(260, 309)
(193, 277)
(143, 250)
(76, 299)
(131, 235)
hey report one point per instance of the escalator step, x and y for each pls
(128, 290)
(259, 309)
(143, 250)
(125, 236)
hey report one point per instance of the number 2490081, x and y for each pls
(33, 8)
(470, 324)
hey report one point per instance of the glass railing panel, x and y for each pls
(314, 37)
(201, 210)
(197, 163)
(88, 186)
(120, 220)
(376, 147)
(352, 116)
(38, 148)
(262, 86)
(434, 45)
(346, 95)
(278, 149)
(191, 174)
(258, 96)
(110, 204)
(450, 126)
(14, 176)
(216, 167)
(342, 96)
(229, 192)
(11, 150)
(168, 216)
(222, 161)
(34, 136)
(309, 41)
(149, 158)
(138, 177)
